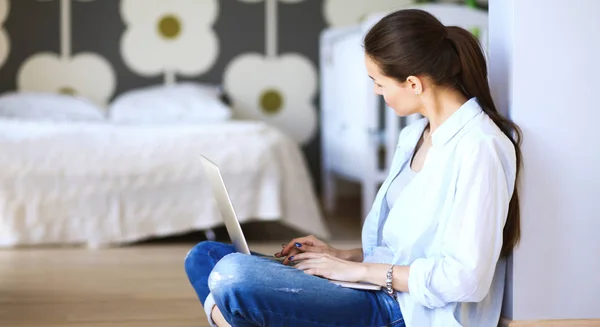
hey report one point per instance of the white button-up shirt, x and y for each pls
(447, 225)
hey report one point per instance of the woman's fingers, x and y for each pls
(304, 265)
(286, 249)
(313, 271)
(310, 248)
(311, 266)
(278, 254)
(306, 256)
(307, 247)
(291, 255)
(297, 242)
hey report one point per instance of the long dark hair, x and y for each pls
(414, 42)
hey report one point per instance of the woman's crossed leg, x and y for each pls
(255, 291)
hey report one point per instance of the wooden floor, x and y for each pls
(141, 286)
(130, 287)
(135, 286)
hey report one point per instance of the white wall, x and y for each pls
(545, 67)
(500, 51)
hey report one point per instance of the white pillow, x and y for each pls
(167, 104)
(41, 106)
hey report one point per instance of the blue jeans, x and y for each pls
(251, 290)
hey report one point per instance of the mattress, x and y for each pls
(101, 184)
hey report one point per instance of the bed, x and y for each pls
(100, 184)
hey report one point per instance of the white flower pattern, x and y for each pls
(284, 1)
(173, 36)
(277, 90)
(348, 12)
(4, 40)
(86, 74)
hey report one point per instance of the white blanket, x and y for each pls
(100, 184)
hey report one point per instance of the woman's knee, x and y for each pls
(195, 255)
(199, 249)
(230, 272)
(231, 282)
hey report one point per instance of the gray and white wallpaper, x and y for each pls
(264, 52)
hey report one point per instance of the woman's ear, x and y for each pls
(415, 84)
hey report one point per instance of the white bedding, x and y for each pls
(101, 184)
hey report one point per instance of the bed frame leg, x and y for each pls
(329, 191)
(369, 192)
(210, 234)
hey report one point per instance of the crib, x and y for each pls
(358, 132)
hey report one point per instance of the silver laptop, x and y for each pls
(233, 226)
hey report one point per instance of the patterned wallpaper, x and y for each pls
(264, 52)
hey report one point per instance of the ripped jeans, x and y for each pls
(251, 290)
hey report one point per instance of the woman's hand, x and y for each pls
(306, 244)
(325, 265)
(330, 267)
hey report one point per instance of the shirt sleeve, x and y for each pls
(474, 233)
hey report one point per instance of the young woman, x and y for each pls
(441, 226)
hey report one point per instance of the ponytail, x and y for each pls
(472, 81)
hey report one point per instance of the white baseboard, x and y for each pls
(550, 323)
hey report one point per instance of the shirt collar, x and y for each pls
(446, 131)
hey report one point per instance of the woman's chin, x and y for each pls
(401, 113)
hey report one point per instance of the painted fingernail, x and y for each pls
(298, 245)
(291, 258)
